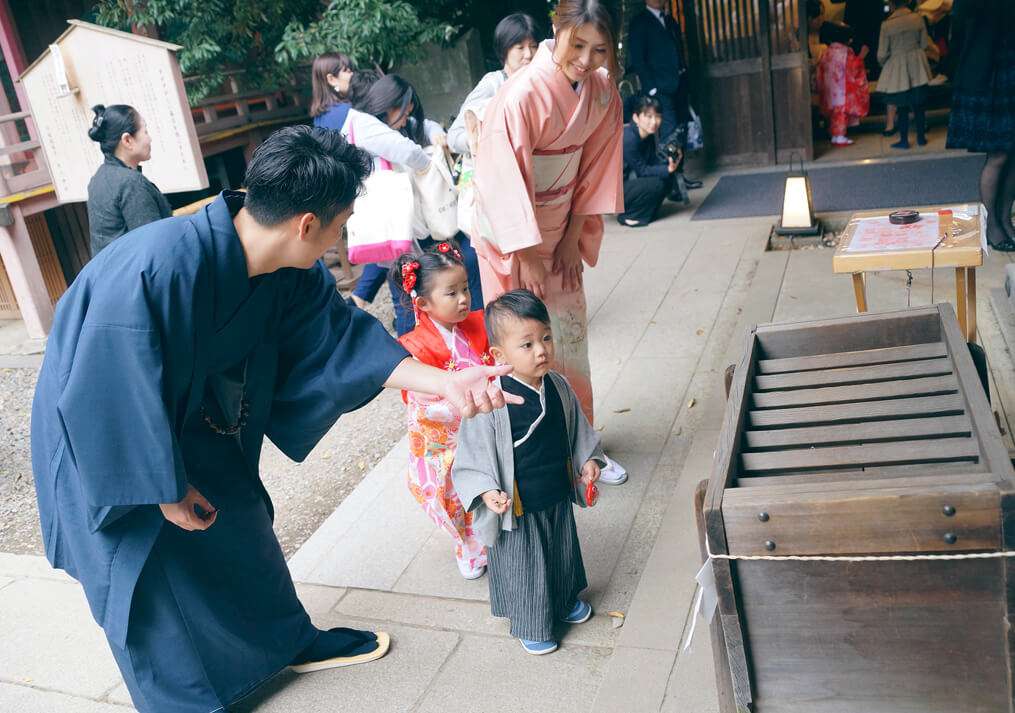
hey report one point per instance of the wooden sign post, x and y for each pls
(90, 65)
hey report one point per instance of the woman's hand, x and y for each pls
(183, 515)
(532, 272)
(567, 262)
(471, 391)
(590, 472)
(497, 500)
(672, 165)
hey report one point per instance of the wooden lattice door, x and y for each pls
(8, 303)
(748, 59)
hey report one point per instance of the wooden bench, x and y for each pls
(866, 435)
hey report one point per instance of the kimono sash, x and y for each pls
(554, 173)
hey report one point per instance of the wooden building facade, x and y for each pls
(750, 78)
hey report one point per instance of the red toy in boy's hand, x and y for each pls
(589, 476)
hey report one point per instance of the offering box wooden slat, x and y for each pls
(861, 436)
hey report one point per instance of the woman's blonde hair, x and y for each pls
(573, 14)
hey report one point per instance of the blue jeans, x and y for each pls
(405, 321)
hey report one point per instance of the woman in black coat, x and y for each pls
(983, 105)
(119, 197)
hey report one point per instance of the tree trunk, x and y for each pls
(133, 7)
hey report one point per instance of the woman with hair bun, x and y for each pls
(120, 198)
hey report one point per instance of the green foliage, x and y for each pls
(267, 39)
(386, 32)
(216, 36)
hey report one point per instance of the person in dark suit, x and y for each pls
(656, 55)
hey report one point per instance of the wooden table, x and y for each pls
(865, 435)
(960, 249)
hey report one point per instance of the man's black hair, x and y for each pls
(304, 169)
(516, 304)
(513, 30)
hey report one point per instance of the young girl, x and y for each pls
(842, 82)
(905, 71)
(549, 165)
(449, 336)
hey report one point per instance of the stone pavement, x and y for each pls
(669, 305)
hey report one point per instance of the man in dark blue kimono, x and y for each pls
(175, 351)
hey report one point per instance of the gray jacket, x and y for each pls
(902, 53)
(121, 199)
(485, 459)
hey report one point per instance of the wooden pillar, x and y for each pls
(25, 275)
(14, 58)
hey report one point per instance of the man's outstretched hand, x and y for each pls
(471, 391)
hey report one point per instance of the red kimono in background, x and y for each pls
(842, 88)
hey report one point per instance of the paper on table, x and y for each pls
(875, 235)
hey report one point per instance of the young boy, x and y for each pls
(519, 469)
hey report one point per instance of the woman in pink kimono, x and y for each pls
(549, 165)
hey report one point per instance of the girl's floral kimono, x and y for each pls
(548, 151)
(433, 431)
(842, 87)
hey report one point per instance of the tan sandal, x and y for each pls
(383, 644)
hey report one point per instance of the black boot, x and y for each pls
(902, 121)
(920, 118)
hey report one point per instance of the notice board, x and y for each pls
(105, 66)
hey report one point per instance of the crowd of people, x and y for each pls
(177, 350)
(222, 328)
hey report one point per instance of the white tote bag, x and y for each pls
(437, 197)
(380, 228)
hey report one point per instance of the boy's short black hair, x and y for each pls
(516, 304)
(304, 169)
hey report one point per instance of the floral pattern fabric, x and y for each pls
(433, 437)
(842, 87)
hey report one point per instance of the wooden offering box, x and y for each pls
(866, 435)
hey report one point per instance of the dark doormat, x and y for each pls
(864, 186)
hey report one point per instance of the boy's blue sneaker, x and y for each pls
(581, 612)
(538, 648)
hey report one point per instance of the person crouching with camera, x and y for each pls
(649, 174)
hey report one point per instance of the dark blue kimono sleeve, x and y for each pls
(115, 421)
(332, 359)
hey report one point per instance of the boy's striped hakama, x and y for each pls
(536, 572)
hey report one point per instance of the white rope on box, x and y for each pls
(706, 578)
